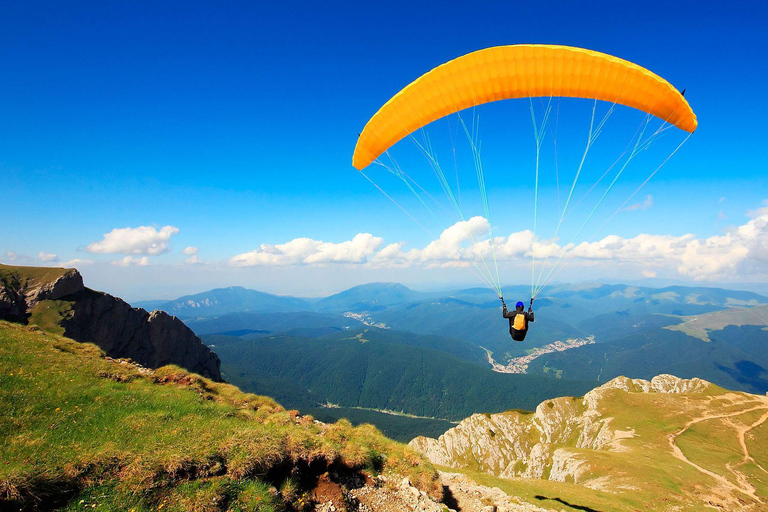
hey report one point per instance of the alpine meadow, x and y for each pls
(383, 257)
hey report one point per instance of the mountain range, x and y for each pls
(446, 355)
(84, 426)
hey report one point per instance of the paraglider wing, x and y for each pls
(519, 71)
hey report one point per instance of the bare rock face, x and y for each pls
(536, 445)
(20, 293)
(12, 306)
(151, 339)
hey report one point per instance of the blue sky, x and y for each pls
(235, 124)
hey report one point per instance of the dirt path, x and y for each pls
(742, 431)
(745, 487)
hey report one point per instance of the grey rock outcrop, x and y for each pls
(151, 339)
(538, 444)
(19, 294)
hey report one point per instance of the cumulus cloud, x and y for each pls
(140, 240)
(641, 206)
(14, 257)
(130, 261)
(739, 252)
(45, 256)
(311, 252)
(192, 253)
(742, 250)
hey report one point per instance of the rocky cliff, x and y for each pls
(540, 444)
(668, 443)
(57, 299)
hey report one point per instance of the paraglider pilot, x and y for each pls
(518, 319)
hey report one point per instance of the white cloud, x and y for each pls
(192, 253)
(44, 256)
(641, 206)
(74, 263)
(140, 240)
(740, 252)
(14, 257)
(130, 261)
(311, 252)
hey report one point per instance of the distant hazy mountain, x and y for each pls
(231, 300)
(150, 305)
(627, 323)
(369, 297)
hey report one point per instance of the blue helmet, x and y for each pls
(519, 305)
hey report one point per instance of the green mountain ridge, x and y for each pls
(382, 369)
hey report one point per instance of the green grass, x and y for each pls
(556, 495)
(30, 275)
(79, 427)
(47, 314)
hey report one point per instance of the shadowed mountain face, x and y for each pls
(57, 300)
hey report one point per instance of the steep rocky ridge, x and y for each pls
(22, 288)
(57, 300)
(621, 437)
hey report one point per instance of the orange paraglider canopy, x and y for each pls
(519, 71)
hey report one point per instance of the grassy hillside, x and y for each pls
(78, 429)
(380, 369)
(10, 275)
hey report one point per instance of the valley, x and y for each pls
(516, 441)
(424, 353)
(520, 364)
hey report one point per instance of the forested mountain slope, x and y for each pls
(381, 369)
